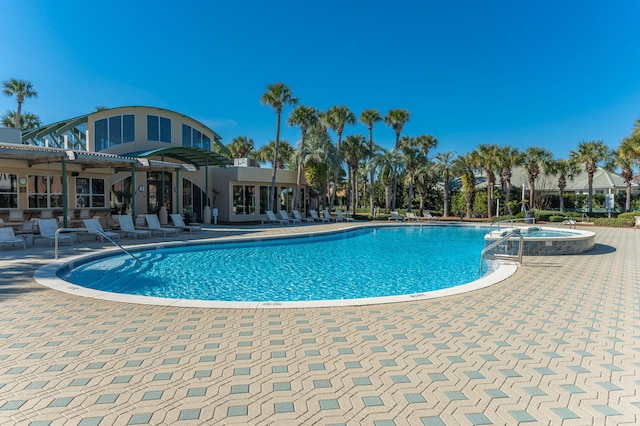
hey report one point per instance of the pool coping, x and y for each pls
(47, 276)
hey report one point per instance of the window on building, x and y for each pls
(114, 131)
(8, 191)
(90, 192)
(158, 129)
(44, 192)
(264, 199)
(194, 138)
(244, 199)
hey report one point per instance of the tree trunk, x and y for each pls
(410, 193)
(387, 197)
(272, 189)
(296, 193)
(507, 195)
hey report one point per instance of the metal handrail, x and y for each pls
(496, 243)
(92, 230)
(508, 220)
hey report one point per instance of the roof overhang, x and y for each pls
(195, 156)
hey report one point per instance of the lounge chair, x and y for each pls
(411, 217)
(637, 222)
(343, 217)
(271, 218)
(46, 214)
(429, 216)
(326, 214)
(8, 237)
(16, 216)
(285, 216)
(298, 216)
(570, 223)
(48, 228)
(126, 226)
(153, 223)
(85, 214)
(395, 216)
(316, 218)
(95, 228)
(178, 222)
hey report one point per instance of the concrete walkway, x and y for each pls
(557, 343)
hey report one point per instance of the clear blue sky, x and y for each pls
(523, 73)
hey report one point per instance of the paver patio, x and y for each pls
(557, 343)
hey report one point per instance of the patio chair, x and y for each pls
(298, 216)
(343, 217)
(637, 222)
(326, 214)
(178, 222)
(153, 223)
(95, 228)
(395, 216)
(85, 214)
(411, 217)
(316, 218)
(285, 216)
(8, 237)
(429, 216)
(46, 214)
(48, 228)
(126, 226)
(16, 216)
(271, 218)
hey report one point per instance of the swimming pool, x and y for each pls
(364, 263)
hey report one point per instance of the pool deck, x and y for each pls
(556, 343)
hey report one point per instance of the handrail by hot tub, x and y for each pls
(93, 231)
(517, 258)
(507, 220)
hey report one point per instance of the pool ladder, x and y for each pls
(486, 252)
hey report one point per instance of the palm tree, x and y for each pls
(241, 147)
(465, 166)
(425, 178)
(353, 149)
(306, 117)
(28, 121)
(443, 166)
(396, 119)
(22, 90)
(411, 154)
(368, 117)
(508, 158)
(564, 169)
(335, 119)
(388, 163)
(266, 154)
(590, 154)
(319, 158)
(486, 156)
(277, 96)
(627, 154)
(535, 160)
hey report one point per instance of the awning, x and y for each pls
(196, 156)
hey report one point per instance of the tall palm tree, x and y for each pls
(305, 117)
(535, 161)
(368, 117)
(590, 154)
(277, 96)
(626, 157)
(486, 156)
(319, 158)
(508, 158)
(28, 121)
(336, 118)
(443, 166)
(241, 147)
(388, 163)
(465, 166)
(396, 119)
(22, 90)
(354, 150)
(412, 157)
(266, 154)
(563, 169)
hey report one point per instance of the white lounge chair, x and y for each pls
(316, 218)
(298, 216)
(285, 216)
(637, 222)
(48, 228)
(16, 216)
(271, 218)
(95, 228)
(153, 223)
(126, 226)
(429, 216)
(178, 222)
(46, 214)
(326, 214)
(8, 237)
(411, 217)
(395, 216)
(343, 217)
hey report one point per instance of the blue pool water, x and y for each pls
(368, 262)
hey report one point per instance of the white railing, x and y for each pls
(510, 221)
(486, 251)
(92, 231)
